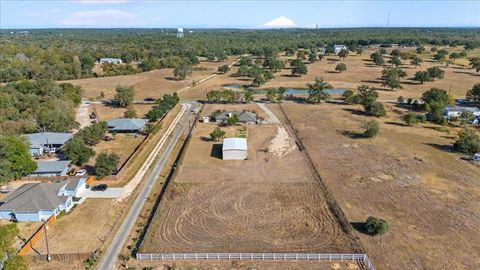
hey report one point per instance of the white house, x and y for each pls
(180, 33)
(234, 149)
(338, 48)
(39, 201)
(456, 111)
(110, 60)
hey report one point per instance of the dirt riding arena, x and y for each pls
(429, 195)
(268, 203)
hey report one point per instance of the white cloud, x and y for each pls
(100, 18)
(87, 2)
(280, 22)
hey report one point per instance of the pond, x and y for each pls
(232, 86)
(333, 91)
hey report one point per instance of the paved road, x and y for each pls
(110, 193)
(111, 255)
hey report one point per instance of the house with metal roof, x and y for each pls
(456, 111)
(127, 125)
(39, 201)
(52, 168)
(339, 48)
(234, 149)
(243, 117)
(46, 142)
(111, 60)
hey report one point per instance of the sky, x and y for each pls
(236, 14)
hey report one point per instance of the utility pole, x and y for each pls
(45, 227)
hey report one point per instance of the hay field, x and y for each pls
(263, 204)
(430, 196)
(458, 78)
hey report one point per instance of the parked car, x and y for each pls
(81, 172)
(101, 187)
(73, 172)
(476, 157)
(5, 189)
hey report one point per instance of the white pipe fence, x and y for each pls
(257, 256)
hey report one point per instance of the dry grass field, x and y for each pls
(152, 84)
(105, 113)
(83, 230)
(268, 203)
(430, 196)
(360, 70)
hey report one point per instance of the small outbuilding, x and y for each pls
(234, 149)
(339, 48)
(52, 168)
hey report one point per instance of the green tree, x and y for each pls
(94, 133)
(475, 63)
(454, 56)
(400, 100)
(343, 54)
(436, 72)
(396, 52)
(316, 91)
(435, 100)
(76, 151)
(76, 67)
(391, 77)
(182, 71)
(130, 113)
(440, 55)
(395, 61)
(8, 234)
(259, 79)
(410, 118)
(249, 95)
(341, 67)
(375, 108)
(15, 159)
(106, 164)
(420, 49)
(16, 263)
(57, 115)
(217, 134)
(281, 94)
(422, 76)
(474, 93)
(124, 95)
(232, 120)
(416, 61)
(366, 95)
(312, 57)
(468, 141)
(348, 96)
(371, 129)
(376, 226)
(271, 95)
(298, 67)
(223, 69)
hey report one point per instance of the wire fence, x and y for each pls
(258, 256)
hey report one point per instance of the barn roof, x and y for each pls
(37, 140)
(128, 124)
(234, 144)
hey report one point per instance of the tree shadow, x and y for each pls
(360, 227)
(352, 134)
(216, 151)
(466, 72)
(411, 82)
(371, 81)
(396, 124)
(443, 147)
(90, 169)
(205, 139)
(333, 59)
(334, 72)
(171, 78)
(354, 111)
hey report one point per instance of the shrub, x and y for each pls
(16, 263)
(105, 164)
(468, 141)
(376, 226)
(341, 67)
(400, 100)
(375, 108)
(410, 119)
(130, 113)
(371, 129)
(217, 134)
(76, 151)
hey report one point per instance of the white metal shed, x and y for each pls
(234, 149)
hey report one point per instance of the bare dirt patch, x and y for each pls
(282, 144)
(429, 196)
(257, 205)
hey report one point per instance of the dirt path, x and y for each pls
(272, 118)
(82, 116)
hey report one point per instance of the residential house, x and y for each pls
(180, 33)
(322, 50)
(234, 149)
(243, 117)
(111, 60)
(47, 142)
(127, 125)
(338, 48)
(39, 201)
(52, 168)
(456, 111)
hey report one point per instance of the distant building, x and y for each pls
(46, 142)
(127, 125)
(39, 201)
(338, 48)
(456, 111)
(476, 157)
(180, 33)
(243, 117)
(52, 168)
(322, 50)
(476, 121)
(234, 149)
(111, 60)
